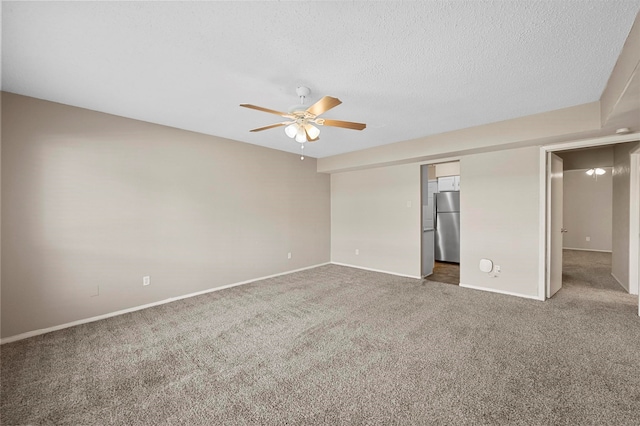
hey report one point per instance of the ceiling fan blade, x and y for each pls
(270, 111)
(323, 105)
(259, 129)
(345, 124)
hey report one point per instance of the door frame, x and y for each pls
(634, 223)
(544, 207)
(548, 182)
(433, 163)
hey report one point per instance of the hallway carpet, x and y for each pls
(338, 346)
(588, 269)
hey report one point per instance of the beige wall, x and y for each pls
(448, 169)
(431, 172)
(531, 130)
(93, 202)
(579, 159)
(499, 220)
(587, 210)
(0, 199)
(377, 211)
(621, 205)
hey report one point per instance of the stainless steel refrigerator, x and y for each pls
(447, 225)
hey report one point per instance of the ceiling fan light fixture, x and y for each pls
(598, 171)
(291, 130)
(301, 136)
(313, 131)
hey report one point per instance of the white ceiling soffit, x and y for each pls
(407, 69)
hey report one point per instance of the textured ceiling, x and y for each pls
(407, 69)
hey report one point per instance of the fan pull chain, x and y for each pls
(302, 153)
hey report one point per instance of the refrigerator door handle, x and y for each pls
(435, 211)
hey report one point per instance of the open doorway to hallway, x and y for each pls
(595, 219)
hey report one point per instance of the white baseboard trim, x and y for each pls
(377, 270)
(508, 293)
(619, 282)
(141, 307)
(584, 249)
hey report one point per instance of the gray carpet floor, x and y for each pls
(589, 269)
(335, 345)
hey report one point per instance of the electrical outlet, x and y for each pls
(146, 280)
(288, 255)
(357, 251)
(588, 238)
(496, 272)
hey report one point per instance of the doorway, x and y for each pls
(627, 249)
(440, 187)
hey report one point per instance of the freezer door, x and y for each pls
(448, 202)
(448, 237)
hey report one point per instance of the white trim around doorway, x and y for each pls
(634, 225)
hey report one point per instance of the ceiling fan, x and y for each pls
(301, 125)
